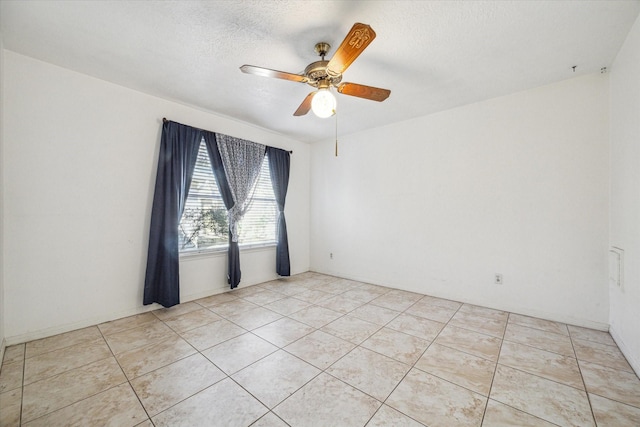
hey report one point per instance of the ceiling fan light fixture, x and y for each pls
(323, 103)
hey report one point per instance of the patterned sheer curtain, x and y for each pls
(242, 161)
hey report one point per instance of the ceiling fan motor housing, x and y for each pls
(316, 72)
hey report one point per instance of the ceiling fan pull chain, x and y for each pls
(336, 114)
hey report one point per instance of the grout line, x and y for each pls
(586, 390)
(125, 375)
(495, 369)
(318, 283)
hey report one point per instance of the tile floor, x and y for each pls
(315, 350)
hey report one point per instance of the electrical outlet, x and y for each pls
(330, 255)
(498, 279)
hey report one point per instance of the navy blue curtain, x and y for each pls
(233, 271)
(279, 165)
(178, 153)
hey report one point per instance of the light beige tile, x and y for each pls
(544, 325)
(346, 284)
(431, 311)
(264, 297)
(601, 354)
(54, 393)
(287, 306)
(548, 365)
(145, 359)
(374, 289)
(315, 316)
(125, 323)
(283, 332)
(34, 348)
(440, 302)
(351, 329)
(590, 335)
(463, 369)
(338, 286)
(500, 415)
(387, 416)
(217, 299)
(313, 296)
(402, 347)
(313, 278)
(611, 413)
(282, 282)
(214, 333)
(478, 323)
(375, 314)
(233, 307)
(270, 420)
(254, 318)
(416, 326)
(223, 404)
(408, 295)
(192, 320)
(164, 387)
(130, 339)
(327, 401)
(549, 400)
(11, 376)
(471, 342)
(320, 349)
(239, 352)
(361, 294)
(145, 423)
(341, 303)
(245, 291)
(276, 377)
(10, 406)
(436, 402)
(489, 313)
(396, 300)
(285, 288)
(14, 353)
(176, 310)
(55, 362)
(537, 338)
(614, 384)
(370, 372)
(117, 406)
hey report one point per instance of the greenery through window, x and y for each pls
(204, 224)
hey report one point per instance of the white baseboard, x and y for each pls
(541, 314)
(60, 329)
(633, 359)
(3, 346)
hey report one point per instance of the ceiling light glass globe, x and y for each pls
(323, 104)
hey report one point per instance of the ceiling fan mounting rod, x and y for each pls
(322, 49)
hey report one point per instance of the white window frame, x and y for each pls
(263, 193)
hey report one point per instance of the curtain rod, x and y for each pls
(165, 120)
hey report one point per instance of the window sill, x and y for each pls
(205, 253)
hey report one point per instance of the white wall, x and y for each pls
(516, 185)
(80, 165)
(2, 310)
(625, 194)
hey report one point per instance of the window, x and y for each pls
(204, 224)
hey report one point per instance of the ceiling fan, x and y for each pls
(323, 74)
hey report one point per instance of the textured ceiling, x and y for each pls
(433, 55)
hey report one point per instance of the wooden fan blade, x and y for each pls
(266, 72)
(356, 41)
(362, 91)
(305, 106)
